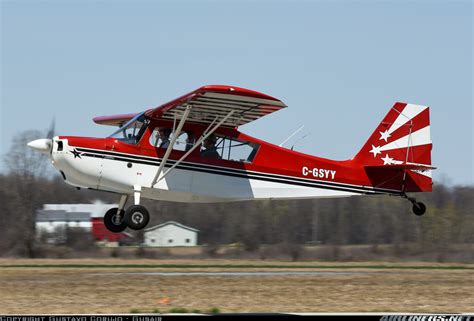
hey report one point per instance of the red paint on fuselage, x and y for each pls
(270, 158)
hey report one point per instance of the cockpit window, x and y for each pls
(229, 148)
(161, 136)
(133, 130)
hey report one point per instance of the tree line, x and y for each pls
(29, 183)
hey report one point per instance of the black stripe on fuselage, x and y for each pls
(231, 172)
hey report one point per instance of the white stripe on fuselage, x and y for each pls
(226, 170)
(181, 185)
(194, 186)
(191, 182)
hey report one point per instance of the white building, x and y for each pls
(96, 209)
(170, 234)
(50, 220)
(55, 218)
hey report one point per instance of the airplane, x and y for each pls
(190, 150)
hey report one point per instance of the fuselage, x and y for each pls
(258, 170)
(189, 150)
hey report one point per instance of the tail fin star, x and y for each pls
(402, 138)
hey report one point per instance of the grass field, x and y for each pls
(106, 286)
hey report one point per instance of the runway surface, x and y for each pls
(160, 286)
(279, 273)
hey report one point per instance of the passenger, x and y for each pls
(210, 150)
(165, 137)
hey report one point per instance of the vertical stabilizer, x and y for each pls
(402, 138)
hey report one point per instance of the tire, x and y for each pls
(110, 222)
(136, 217)
(419, 208)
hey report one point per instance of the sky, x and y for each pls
(338, 65)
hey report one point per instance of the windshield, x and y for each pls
(133, 130)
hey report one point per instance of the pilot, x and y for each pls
(164, 136)
(190, 139)
(210, 150)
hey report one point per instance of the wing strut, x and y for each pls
(171, 145)
(406, 158)
(208, 132)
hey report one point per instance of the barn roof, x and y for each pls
(95, 209)
(61, 215)
(171, 223)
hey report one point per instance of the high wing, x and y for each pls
(209, 102)
(114, 120)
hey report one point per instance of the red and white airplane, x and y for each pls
(190, 150)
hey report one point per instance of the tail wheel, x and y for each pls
(136, 217)
(419, 208)
(113, 221)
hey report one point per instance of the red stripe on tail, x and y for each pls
(402, 139)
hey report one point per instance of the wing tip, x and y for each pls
(113, 120)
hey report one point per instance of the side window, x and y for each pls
(231, 149)
(161, 137)
(155, 138)
(185, 141)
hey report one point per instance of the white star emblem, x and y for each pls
(375, 150)
(387, 160)
(384, 135)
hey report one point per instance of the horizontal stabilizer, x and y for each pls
(416, 167)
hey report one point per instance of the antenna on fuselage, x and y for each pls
(289, 137)
(304, 136)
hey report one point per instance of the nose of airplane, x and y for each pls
(42, 145)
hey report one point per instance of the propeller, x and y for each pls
(44, 145)
(50, 134)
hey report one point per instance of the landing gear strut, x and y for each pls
(418, 207)
(135, 217)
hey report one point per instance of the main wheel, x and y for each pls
(136, 217)
(113, 222)
(419, 208)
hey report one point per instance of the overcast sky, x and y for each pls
(339, 66)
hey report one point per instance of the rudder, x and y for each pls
(402, 138)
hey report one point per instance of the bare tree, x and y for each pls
(26, 168)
